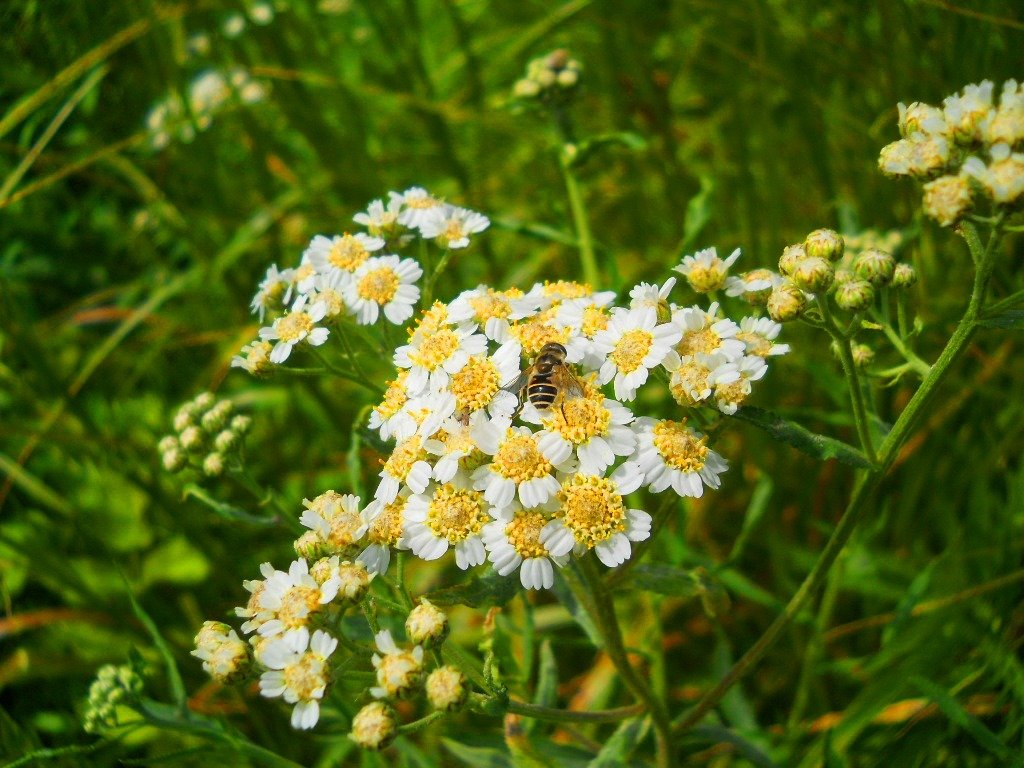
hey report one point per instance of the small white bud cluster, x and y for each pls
(208, 435)
(549, 79)
(114, 687)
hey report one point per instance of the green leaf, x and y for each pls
(716, 734)
(478, 757)
(667, 580)
(227, 511)
(961, 717)
(173, 675)
(698, 213)
(1010, 319)
(546, 693)
(755, 511)
(479, 592)
(617, 749)
(176, 561)
(801, 438)
(917, 589)
(587, 148)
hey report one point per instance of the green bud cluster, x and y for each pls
(551, 79)
(207, 436)
(114, 686)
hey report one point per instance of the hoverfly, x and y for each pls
(547, 380)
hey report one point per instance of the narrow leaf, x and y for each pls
(801, 438)
(961, 717)
(617, 749)
(227, 511)
(1010, 319)
(173, 675)
(479, 592)
(477, 757)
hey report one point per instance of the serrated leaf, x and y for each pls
(479, 592)
(617, 749)
(227, 511)
(801, 438)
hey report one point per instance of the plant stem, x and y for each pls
(915, 362)
(428, 288)
(595, 598)
(867, 483)
(571, 716)
(584, 239)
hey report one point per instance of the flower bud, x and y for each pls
(786, 302)
(353, 581)
(526, 88)
(904, 276)
(855, 295)
(863, 355)
(203, 401)
(215, 418)
(568, 78)
(185, 417)
(813, 274)
(399, 672)
(191, 438)
(426, 625)
(825, 244)
(226, 440)
(791, 254)
(947, 199)
(920, 118)
(241, 424)
(447, 689)
(213, 465)
(874, 266)
(167, 443)
(374, 726)
(309, 546)
(173, 460)
(843, 276)
(225, 656)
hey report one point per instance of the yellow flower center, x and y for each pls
(476, 384)
(631, 349)
(453, 230)
(694, 342)
(397, 673)
(520, 459)
(347, 253)
(523, 533)
(335, 304)
(296, 605)
(705, 278)
(434, 349)
(302, 272)
(422, 203)
(734, 393)
(456, 513)
(679, 446)
(592, 509)
(387, 528)
(394, 397)
(305, 677)
(491, 304)
(257, 358)
(580, 418)
(433, 320)
(456, 442)
(294, 326)
(344, 526)
(567, 289)
(534, 333)
(687, 378)
(595, 319)
(756, 344)
(378, 285)
(406, 453)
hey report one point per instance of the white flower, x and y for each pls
(481, 383)
(634, 343)
(671, 455)
(447, 515)
(329, 288)
(384, 532)
(758, 335)
(517, 466)
(513, 543)
(704, 271)
(592, 515)
(752, 285)
(704, 333)
(392, 417)
(298, 325)
(377, 219)
(458, 439)
(406, 465)
(254, 357)
(432, 357)
(299, 673)
(384, 283)
(271, 290)
(290, 598)
(694, 377)
(335, 518)
(486, 307)
(650, 296)
(415, 206)
(729, 397)
(452, 226)
(341, 254)
(547, 294)
(398, 672)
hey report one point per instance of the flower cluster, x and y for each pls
(966, 150)
(207, 436)
(113, 688)
(211, 91)
(549, 79)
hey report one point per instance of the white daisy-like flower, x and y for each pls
(549, 293)
(256, 611)
(485, 306)
(391, 417)
(694, 377)
(298, 672)
(341, 254)
(593, 515)
(649, 295)
(303, 279)
(336, 519)
(406, 465)
(329, 288)
(297, 326)
(513, 543)
(729, 397)
(634, 343)
(458, 440)
(754, 286)
(704, 333)
(966, 111)
(415, 205)
(451, 226)
(432, 357)
(378, 218)
(398, 672)
(705, 271)
(534, 332)
(671, 455)
(480, 383)
(590, 429)
(517, 466)
(450, 514)
(254, 357)
(291, 598)
(271, 291)
(385, 523)
(1003, 177)
(384, 283)
(758, 335)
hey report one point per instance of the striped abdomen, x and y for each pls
(540, 391)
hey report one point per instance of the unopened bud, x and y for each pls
(875, 266)
(568, 78)
(855, 295)
(786, 302)
(791, 254)
(843, 276)
(904, 276)
(173, 460)
(426, 625)
(309, 546)
(185, 417)
(241, 424)
(203, 401)
(191, 438)
(167, 443)
(225, 656)
(826, 244)
(813, 274)
(226, 440)
(447, 689)
(215, 418)
(863, 355)
(526, 88)
(213, 465)
(353, 581)
(374, 726)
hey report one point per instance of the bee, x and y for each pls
(547, 380)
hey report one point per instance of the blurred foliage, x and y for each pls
(125, 275)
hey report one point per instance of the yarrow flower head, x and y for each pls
(705, 271)
(297, 671)
(451, 226)
(297, 326)
(399, 672)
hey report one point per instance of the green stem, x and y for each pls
(915, 362)
(423, 722)
(350, 351)
(860, 413)
(867, 483)
(428, 288)
(570, 716)
(348, 375)
(593, 595)
(584, 239)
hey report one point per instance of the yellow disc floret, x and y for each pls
(476, 384)
(395, 397)
(534, 333)
(688, 378)
(695, 342)
(520, 459)
(592, 509)
(386, 528)
(406, 453)
(523, 533)
(306, 677)
(379, 285)
(756, 344)
(580, 418)
(347, 253)
(294, 326)
(680, 446)
(296, 605)
(456, 513)
(434, 349)
(631, 349)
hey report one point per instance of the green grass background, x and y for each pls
(125, 276)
